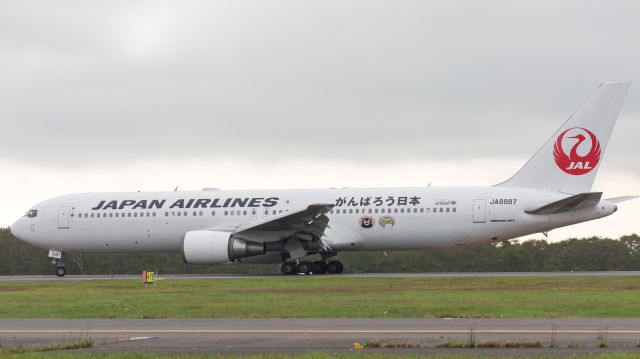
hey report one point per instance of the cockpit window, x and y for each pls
(32, 213)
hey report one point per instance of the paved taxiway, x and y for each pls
(332, 335)
(29, 278)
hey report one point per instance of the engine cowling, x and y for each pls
(215, 247)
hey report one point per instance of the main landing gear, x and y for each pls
(317, 267)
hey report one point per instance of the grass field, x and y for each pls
(76, 355)
(322, 297)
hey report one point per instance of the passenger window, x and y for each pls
(244, 213)
(274, 212)
(213, 213)
(421, 210)
(357, 210)
(194, 213)
(435, 210)
(110, 215)
(441, 209)
(153, 214)
(370, 210)
(179, 214)
(200, 213)
(91, 215)
(376, 210)
(453, 209)
(266, 212)
(135, 214)
(447, 209)
(226, 213)
(185, 213)
(395, 210)
(86, 215)
(401, 210)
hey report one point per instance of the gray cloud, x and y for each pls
(103, 82)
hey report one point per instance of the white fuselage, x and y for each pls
(362, 219)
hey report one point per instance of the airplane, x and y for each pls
(552, 190)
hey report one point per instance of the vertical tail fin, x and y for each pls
(569, 160)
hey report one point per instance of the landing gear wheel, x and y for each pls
(61, 271)
(335, 267)
(289, 268)
(304, 267)
(319, 267)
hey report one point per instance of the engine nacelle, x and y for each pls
(215, 247)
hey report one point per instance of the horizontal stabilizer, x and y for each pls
(620, 199)
(573, 203)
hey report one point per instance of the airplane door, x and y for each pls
(479, 211)
(254, 214)
(63, 217)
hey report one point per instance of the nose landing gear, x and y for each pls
(61, 270)
(57, 260)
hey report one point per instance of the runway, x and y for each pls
(252, 336)
(30, 278)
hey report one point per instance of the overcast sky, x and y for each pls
(149, 95)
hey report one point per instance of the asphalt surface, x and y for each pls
(28, 278)
(401, 336)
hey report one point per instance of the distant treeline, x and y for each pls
(586, 254)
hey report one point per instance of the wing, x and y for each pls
(312, 220)
(296, 232)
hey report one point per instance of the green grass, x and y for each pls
(320, 297)
(83, 343)
(299, 356)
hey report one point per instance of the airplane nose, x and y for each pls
(17, 229)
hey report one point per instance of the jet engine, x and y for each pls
(215, 247)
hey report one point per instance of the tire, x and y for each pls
(289, 268)
(335, 267)
(61, 271)
(304, 267)
(319, 267)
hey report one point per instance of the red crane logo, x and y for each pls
(574, 163)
